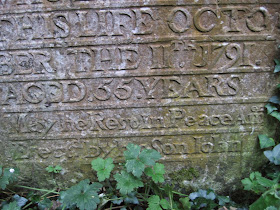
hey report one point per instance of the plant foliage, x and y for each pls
(265, 141)
(126, 182)
(155, 203)
(137, 160)
(273, 155)
(268, 188)
(257, 183)
(103, 168)
(7, 176)
(54, 169)
(11, 206)
(156, 172)
(277, 66)
(83, 195)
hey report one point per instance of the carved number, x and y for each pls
(123, 91)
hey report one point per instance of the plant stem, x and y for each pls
(11, 191)
(148, 190)
(6, 193)
(144, 198)
(52, 196)
(32, 188)
(45, 194)
(117, 207)
(109, 184)
(64, 206)
(27, 205)
(176, 192)
(171, 200)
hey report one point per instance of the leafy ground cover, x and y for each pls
(139, 184)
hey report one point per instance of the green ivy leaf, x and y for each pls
(33, 197)
(45, 204)
(265, 201)
(149, 156)
(275, 114)
(271, 208)
(274, 100)
(57, 169)
(4, 181)
(126, 182)
(202, 201)
(270, 108)
(11, 206)
(274, 155)
(253, 183)
(164, 204)
(269, 155)
(247, 183)
(83, 195)
(21, 201)
(132, 151)
(136, 160)
(9, 175)
(103, 167)
(133, 163)
(185, 203)
(136, 167)
(50, 169)
(223, 200)
(131, 198)
(116, 200)
(265, 141)
(277, 66)
(156, 172)
(54, 169)
(154, 203)
(265, 182)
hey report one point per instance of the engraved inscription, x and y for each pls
(134, 121)
(178, 55)
(138, 22)
(88, 149)
(125, 91)
(82, 79)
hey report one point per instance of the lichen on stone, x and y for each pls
(184, 174)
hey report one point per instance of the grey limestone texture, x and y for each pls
(81, 79)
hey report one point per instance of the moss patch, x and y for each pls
(184, 174)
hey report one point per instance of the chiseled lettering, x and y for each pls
(257, 26)
(73, 91)
(184, 17)
(144, 21)
(197, 19)
(160, 56)
(62, 27)
(232, 14)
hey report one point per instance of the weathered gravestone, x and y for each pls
(81, 79)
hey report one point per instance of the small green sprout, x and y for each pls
(54, 169)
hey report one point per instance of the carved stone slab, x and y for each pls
(81, 79)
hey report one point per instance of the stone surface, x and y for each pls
(81, 79)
